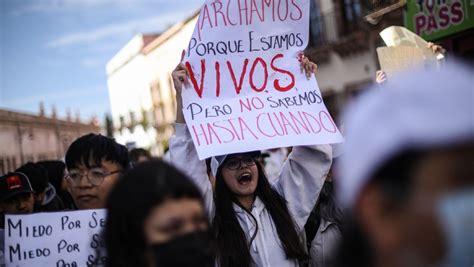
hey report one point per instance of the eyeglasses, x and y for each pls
(236, 163)
(95, 176)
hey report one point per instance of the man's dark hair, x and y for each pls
(136, 153)
(37, 175)
(55, 170)
(89, 150)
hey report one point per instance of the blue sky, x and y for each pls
(55, 51)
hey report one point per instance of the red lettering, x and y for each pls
(324, 117)
(265, 3)
(218, 11)
(235, 131)
(204, 14)
(251, 104)
(285, 10)
(228, 17)
(218, 78)
(197, 88)
(279, 123)
(265, 75)
(247, 106)
(196, 135)
(259, 101)
(228, 130)
(300, 121)
(286, 123)
(420, 23)
(244, 9)
(306, 115)
(260, 129)
(300, 13)
(431, 24)
(457, 12)
(254, 9)
(443, 17)
(243, 127)
(276, 82)
(211, 132)
(238, 87)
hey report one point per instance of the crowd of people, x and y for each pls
(398, 192)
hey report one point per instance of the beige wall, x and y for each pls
(25, 137)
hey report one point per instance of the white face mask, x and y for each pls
(456, 217)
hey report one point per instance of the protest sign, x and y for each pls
(404, 50)
(400, 36)
(62, 239)
(397, 59)
(246, 89)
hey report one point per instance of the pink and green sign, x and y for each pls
(435, 19)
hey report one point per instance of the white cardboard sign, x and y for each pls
(246, 90)
(62, 239)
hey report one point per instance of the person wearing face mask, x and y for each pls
(156, 217)
(406, 176)
(255, 223)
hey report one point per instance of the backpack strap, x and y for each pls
(311, 227)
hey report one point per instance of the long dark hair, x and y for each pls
(129, 204)
(327, 206)
(233, 247)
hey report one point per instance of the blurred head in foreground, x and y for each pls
(156, 217)
(406, 174)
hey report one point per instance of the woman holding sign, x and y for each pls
(255, 223)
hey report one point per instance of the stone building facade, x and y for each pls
(26, 137)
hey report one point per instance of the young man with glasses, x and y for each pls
(94, 164)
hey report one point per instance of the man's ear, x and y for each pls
(379, 219)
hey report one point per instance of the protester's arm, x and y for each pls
(302, 178)
(183, 154)
(303, 173)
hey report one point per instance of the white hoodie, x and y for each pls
(300, 182)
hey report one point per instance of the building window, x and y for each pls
(351, 12)
(2, 166)
(316, 24)
(8, 165)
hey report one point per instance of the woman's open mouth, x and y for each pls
(244, 178)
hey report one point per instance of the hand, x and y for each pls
(380, 77)
(435, 48)
(180, 77)
(308, 66)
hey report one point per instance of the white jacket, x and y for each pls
(300, 182)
